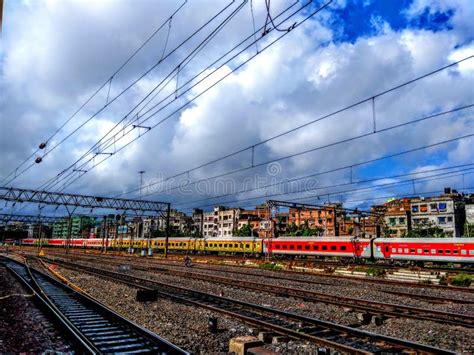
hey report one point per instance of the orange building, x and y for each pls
(325, 218)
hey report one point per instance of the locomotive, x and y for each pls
(454, 250)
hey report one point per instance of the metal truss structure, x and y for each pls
(74, 200)
(86, 201)
(27, 219)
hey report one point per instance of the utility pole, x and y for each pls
(141, 172)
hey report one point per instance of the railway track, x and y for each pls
(187, 273)
(248, 271)
(254, 273)
(361, 305)
(335, 336)
(93, 327)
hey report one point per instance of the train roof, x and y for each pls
(314, 239)
(425, 240)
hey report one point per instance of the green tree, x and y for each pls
(426, 230)
(246, 231)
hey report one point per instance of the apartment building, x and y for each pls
(325, 218)
(445, 211)
(397, 218)
(78, 224)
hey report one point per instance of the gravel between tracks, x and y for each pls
(431, 333)
(24, 328)
(183, 325)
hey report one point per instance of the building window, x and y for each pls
(450, 219)
(392, 221)
(423, 208)
(434, 207)
(401, 220)
(442, 220)
(442, 206)
(414, 208)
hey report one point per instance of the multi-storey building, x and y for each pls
(445, 211)
(197, 227)
(221, 222)
(325, 218)
(77, 224)
(397, 218)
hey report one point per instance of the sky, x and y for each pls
(56, 54)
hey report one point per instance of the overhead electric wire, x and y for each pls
(112, 140)
(247, 148)
(434, 177)
(207, 89)
(386, 157)
(340, 193)
(253, 166)
(92, 96)
(287, 182)
(182, 93)
(130, 86)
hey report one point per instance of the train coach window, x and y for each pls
(292, 247)
(433, 251)
(284, 246)
(405, 250)
(400, 250)
(299, 247)
(333, 247)
(315, 247)
(306, 247)
(343, 248)
(386, 249)
(220, 245)
(463, 252)
(426, 251)
(225, 245)
(419, 251)
(247, 245)
(412, 251)
(455, 251)
(236, 245)
(324, 247)
(394, 250)
(277, 246)
(440, 251)
(471, 252)
(448, 251)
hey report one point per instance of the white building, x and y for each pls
(444, 211)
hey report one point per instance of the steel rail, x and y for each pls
(318, 331)
(97, 328)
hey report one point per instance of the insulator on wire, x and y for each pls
(42, 145)
(38, 160)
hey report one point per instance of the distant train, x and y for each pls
(456, 250)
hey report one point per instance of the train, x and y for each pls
(417, 250)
